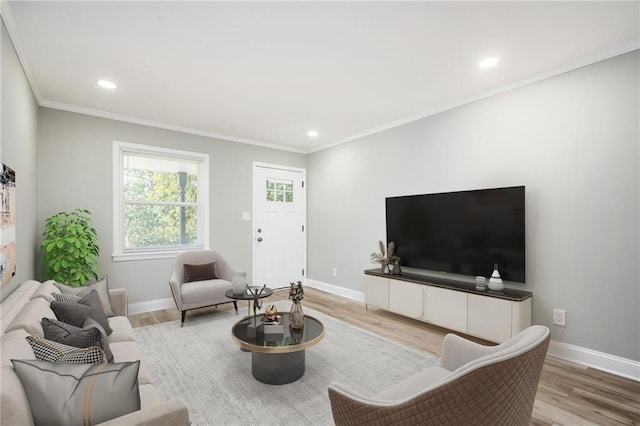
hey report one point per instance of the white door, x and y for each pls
(279, 221)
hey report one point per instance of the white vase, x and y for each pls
(237, 284)
(495, 282)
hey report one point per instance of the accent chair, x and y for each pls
(474, 384)
(200, 278)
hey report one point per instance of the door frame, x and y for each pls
(254, 233)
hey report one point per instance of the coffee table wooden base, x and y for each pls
(277, 368)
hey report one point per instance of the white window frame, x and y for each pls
(119, 149)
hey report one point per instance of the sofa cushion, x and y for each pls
(122, 330)
(50, 351)
(14, 404)
(45, 291)
(199, 272)
(149, 396)
(101, 286)
(14, 345)
(30, 316)
(129, 351)
(91, 334)
(73, 394)
(11, 306)
(76, 313)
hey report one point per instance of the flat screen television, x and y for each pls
(464, 232)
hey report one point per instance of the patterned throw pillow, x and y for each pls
(200, 272)
(101, 286)
(91, 334)
(75, 313)
(50, 351)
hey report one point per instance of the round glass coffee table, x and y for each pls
(277, 359)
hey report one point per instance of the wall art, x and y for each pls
(8, 224)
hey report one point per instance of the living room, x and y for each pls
(569, 135)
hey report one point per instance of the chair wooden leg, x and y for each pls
(235, 305)
(184, 315)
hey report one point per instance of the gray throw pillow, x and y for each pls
(104, 340)
(50, 351)
(101, 286)
(87, 307)
(75, 394)
(200, 272)
(66, 297)
(91, 334)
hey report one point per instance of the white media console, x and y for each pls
(491, 315)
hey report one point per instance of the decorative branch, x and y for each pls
(386, 256)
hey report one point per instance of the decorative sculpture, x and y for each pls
(271, 313)
(256, 300)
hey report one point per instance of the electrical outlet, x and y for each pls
(334, 272)
(560, 317)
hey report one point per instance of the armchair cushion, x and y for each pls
(412, 385)
(457, 351)
(199, 272)
(196, 291)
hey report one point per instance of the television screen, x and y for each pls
(464, 232)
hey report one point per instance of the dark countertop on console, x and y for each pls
(452, 284)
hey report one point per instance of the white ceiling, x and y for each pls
(266, 72)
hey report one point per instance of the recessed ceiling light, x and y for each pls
(488, 62)
(312, 133)
(106, 84)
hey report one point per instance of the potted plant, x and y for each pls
(70, 248)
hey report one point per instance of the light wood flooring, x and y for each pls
(568, 393)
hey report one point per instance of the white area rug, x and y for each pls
(202, 365)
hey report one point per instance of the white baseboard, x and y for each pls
(599, 360)
(151, 305)
(358, 296)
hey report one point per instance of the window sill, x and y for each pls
(150, 255)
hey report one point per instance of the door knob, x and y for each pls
(259, 239)
(259, 230)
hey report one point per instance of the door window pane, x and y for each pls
(279, 190)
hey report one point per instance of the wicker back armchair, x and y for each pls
(475, 384)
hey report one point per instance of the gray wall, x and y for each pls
(18, 150)
(572, 140)
(76, 172)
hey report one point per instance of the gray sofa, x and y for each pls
(21, 313)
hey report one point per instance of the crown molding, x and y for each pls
(9, 23)
(602, 56)
(6, 15)
(161, 125)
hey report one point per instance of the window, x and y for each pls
(160, 201)
(279, 190)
